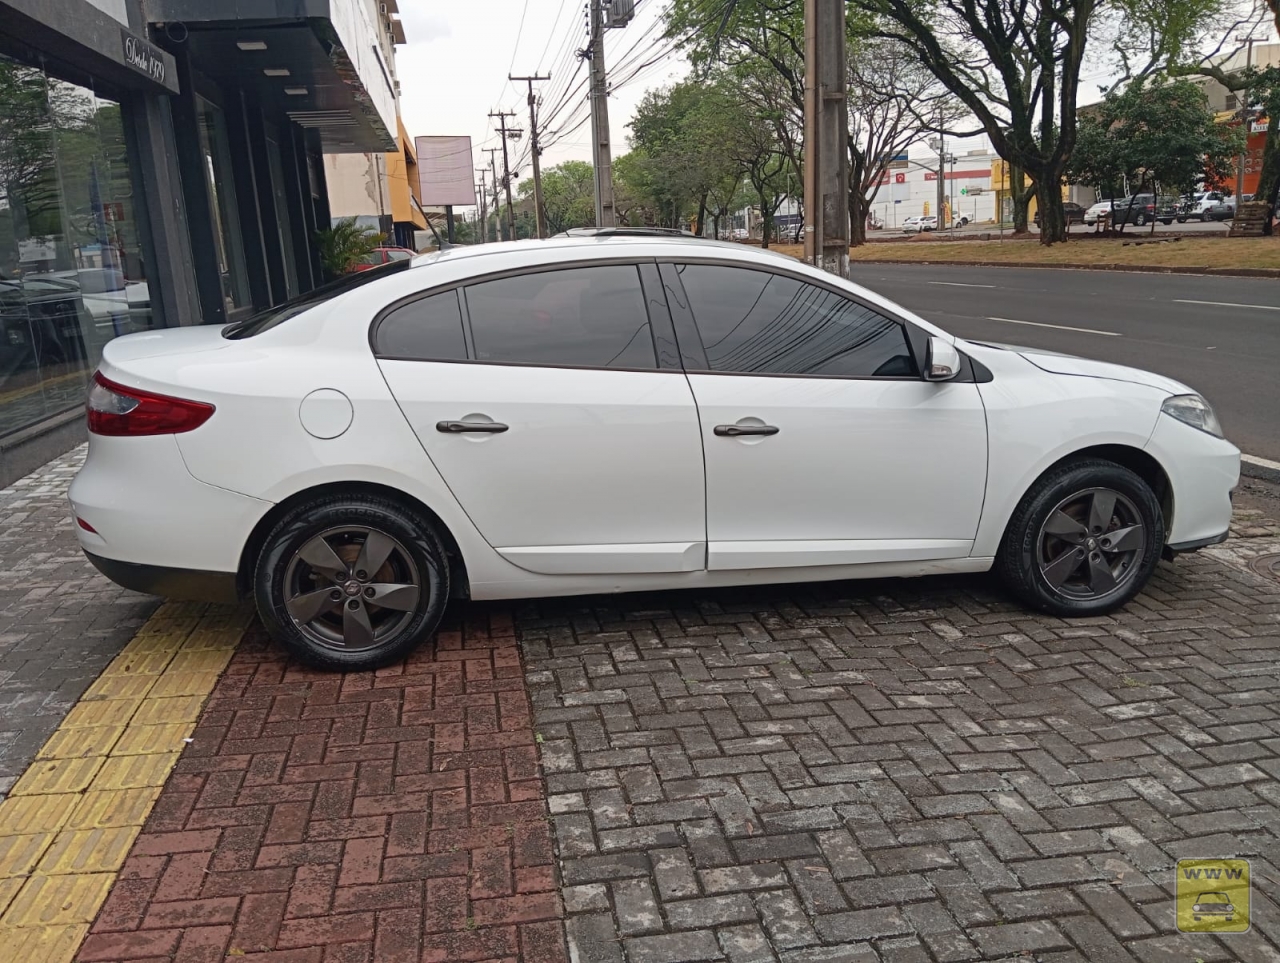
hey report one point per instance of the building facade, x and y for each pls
(159, 170)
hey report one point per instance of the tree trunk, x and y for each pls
(858, 208)
(1021, 199)
(766, 214)
(1053, 218)
(1269, 177)
(702, 213)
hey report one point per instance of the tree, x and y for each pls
(1016, 67)
(1159, 135)
(568, 195)
(343, 245)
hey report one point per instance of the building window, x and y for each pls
(216, 157)
(72, 275)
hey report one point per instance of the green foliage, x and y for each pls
(343, 245)
(1159, 135)
(568, 197)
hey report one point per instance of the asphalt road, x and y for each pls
(1221, 336)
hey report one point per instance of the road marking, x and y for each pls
(1261, 462)
(959, 284)
(1229, 304)
(1059, 327)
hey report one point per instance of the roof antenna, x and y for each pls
(443, 244)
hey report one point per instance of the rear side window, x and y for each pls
(399, 255)
(582, 317)
(756, 322)
(429, 329)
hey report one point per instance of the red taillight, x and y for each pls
(117, 410)
(85, 525)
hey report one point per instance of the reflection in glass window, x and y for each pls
(593, 317)
(72, 275)
(216, 152)
(757, 322)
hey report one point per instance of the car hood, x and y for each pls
(1066, 364)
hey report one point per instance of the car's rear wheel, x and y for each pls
(1084, 540)
(351, 582)
(1140, 220)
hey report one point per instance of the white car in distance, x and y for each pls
(618, 411)
(920, 223)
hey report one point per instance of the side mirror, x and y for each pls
(943, 361)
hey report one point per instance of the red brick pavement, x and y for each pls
(388, 817)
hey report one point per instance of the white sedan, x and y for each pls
(920, 223)
(614, 412)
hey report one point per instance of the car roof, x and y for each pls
(605, 245)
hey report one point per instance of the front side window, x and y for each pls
(582, 317)
(755, 322)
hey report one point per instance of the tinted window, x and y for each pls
(756, 322)
(399, 255)
(424, 330)
(593, 316)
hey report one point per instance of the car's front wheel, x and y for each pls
(351, 581)
(1084, 540)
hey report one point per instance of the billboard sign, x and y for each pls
(445, 171)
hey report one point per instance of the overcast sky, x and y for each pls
(454, 68)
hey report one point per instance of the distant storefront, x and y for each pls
(161, 170)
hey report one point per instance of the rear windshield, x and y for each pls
(305, 302)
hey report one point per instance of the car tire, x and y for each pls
(1056, 545)
(317, 599)
(1139, 220)
(1166, 221)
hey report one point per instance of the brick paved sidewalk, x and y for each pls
(395, 816)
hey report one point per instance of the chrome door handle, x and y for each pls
(737, 431)
(461, 427)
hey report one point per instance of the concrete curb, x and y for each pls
(1271, 273)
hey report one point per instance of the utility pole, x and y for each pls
(493, 170)
(826, 125)
(539, 213)
(601, 154)
(484, 207)
(506, 133)
(1244, 122)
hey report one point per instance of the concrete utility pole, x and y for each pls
(1244, 123)
(506, 133)
(601, 152)
(484, 207)
(539, 212)
(826, 151)
(493, 180)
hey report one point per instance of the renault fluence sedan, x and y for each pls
(612, 412)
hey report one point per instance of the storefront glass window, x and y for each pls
(72, 275)
(216, 153)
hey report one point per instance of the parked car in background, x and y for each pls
(1142, 209)
(503, 421)
(1198, 204)
(1092, 214)
(1223, 210)
(920, 223)
(1073, 211)
(384, 255)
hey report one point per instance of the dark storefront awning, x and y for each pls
(317, 61)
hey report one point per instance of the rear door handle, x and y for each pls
(737, 431)
(462, 427)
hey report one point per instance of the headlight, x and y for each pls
(1194, 411)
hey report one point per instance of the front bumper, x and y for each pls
(1203, 471)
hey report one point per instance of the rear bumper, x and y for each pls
(1199, 543)
(174, 583)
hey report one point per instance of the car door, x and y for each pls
(822, 444)
(540, 398)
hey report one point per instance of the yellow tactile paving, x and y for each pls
(134, 772)
(44, 944)
(19, 854)
(107, 712)
(46, 776)
(87, 851)
(80, 743)
(139, 740)
(37, 814)
(119, 687)
(69, 822)
(53, 900)
(113, 808)
(169, 709)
